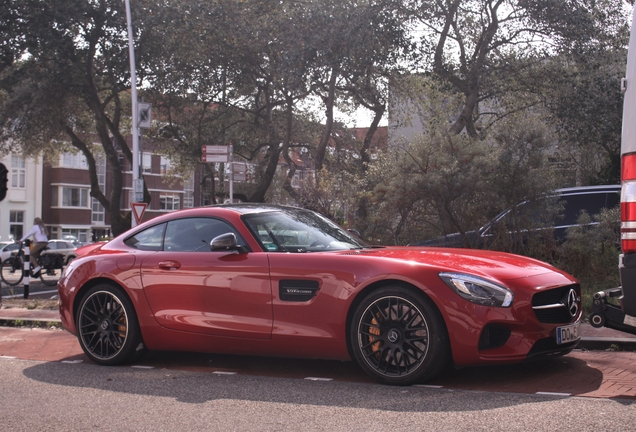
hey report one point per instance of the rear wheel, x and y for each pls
(398, 337)
(12, 271)
(50, 276)
(108, 330)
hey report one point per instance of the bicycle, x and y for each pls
(13, 268)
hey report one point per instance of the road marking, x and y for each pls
(8, 357)
(72, 361)
(224, 373)
(20, 295)
(142, 367)
(318, 379)
(428, 386)
(553, 394)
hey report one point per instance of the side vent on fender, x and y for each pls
(297, 290)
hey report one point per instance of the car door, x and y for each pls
(193, 289)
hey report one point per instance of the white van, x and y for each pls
(604, 313)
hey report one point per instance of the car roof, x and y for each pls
(585, 189)
(248, 208)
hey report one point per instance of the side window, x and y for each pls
(613, 199)
(592, 204)
(148, 239)
(195, 234)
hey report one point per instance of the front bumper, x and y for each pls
(527, 330)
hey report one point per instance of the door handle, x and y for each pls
(169, 265)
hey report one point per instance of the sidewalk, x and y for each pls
(28, 316)
(592, 338)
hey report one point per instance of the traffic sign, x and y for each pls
(138, 190)
(212, 153)
(215, 149)
(239, 171)
(212, 157)
(145, 115)
(138, 210)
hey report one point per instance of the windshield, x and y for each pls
(297, 230)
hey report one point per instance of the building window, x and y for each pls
(168, 201)
(74, 197)
(69, 196)
(73, 160)
(75, 235)
(146, 164)
(16, 224)
(18, 172)
(164, 165)
(98, 213)
(188, 192)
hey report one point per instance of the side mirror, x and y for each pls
(355, 232)
(226, 242)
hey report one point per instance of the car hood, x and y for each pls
(498, 265)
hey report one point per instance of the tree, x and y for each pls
(472, 46)
(245, 68)
(68, 83)
(585, 104)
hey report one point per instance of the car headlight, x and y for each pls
(478, 290)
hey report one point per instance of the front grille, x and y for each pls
(493, 336)
(557, 297)
(359, 252)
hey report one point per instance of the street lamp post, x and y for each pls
(135, 115)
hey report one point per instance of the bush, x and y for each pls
(590, 253)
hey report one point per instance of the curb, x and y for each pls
(607, 344)
(30, 319)
(29, 322)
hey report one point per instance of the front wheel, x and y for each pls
(108, 330)
(398, 337)
(12, 271)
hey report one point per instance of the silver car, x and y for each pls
(66, 248)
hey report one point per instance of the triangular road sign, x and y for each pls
(138, 210)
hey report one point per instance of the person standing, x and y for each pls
(39, 233)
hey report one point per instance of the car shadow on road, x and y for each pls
(198, 378)
(561, 375)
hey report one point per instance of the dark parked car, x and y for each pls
(531, 216)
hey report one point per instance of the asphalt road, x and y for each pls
(77, 397)
(36, 290)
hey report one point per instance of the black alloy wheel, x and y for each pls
(398, 337)
(108, 329)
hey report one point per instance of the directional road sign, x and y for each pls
(212, 153)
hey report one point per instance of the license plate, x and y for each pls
(569, 333)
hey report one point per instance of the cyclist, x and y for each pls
(39, 233)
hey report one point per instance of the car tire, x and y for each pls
(398, 336)
(107, 326)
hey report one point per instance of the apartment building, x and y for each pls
(70, 211)
(22, 203)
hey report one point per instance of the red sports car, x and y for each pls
(281, 281)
